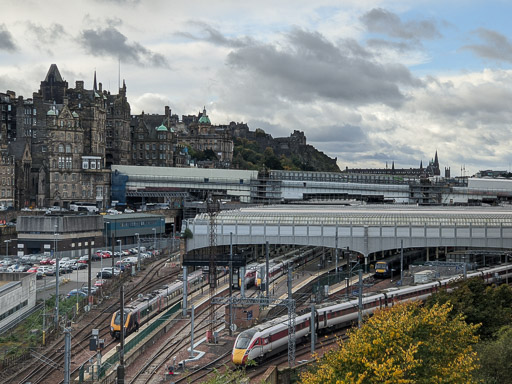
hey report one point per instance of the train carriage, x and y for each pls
(145, 307)
(266, 338)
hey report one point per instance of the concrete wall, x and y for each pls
(17, 288)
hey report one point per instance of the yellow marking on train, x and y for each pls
(238, 356)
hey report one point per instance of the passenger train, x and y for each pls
(384, 267)
(272, 336)
(145, 307)
(279, 266)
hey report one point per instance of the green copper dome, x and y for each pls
(162, 128)
(204, 119)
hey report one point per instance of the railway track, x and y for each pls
(43, 373)
(172, 347)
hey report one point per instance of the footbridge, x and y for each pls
(364, 229)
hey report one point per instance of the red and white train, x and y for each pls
(272, 336)
(277, 266)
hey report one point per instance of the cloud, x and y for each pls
(6, 39)
(120, 2)
(495, 46)
(214, 36)
(379, 20)
(346, 133)
(307, 66)
(45, 36)
(109, 41)
(380, 44)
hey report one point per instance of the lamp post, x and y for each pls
(162, 230)
(106, 235)
(120, 256)
(138, 252)
(56, 279)
(154, 239)
(7, 247)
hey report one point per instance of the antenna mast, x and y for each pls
(213, 209)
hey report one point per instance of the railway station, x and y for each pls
(257, 283)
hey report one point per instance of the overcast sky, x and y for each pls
(369, 82)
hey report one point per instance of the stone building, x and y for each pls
(60, 145)
(202, 136)
(8, 113)
(7, 171)
(154, 141)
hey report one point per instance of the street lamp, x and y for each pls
(162, 230)
(106, 237)
(154, 239)
(7, 247)
(138, 252)
(120, 256)
(56, 279)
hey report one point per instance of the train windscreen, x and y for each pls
(244, 339)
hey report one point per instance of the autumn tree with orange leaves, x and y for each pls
(405, 344)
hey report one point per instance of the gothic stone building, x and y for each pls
(60, 145)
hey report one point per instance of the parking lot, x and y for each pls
(76, 274)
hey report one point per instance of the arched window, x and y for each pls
(61, 148)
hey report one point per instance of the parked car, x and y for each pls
(104, 275)
(106, 254)
(112, 270)
(32, 270)
(86, 290)
(45, 261)
(76, 292)
(83, 260)
(99, 283)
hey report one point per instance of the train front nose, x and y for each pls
(238, 356)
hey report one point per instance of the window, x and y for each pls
(61, 148)
(56, 177)
(68, 148)
(154, 147)
(69, 163)
(147, 146)
(85, 164)
(64, 177)
(93, 165)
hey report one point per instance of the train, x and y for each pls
(279, 266)
(250, 275)
(271, 337)
(144, 307)
(385, 267)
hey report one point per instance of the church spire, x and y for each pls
(436, 161)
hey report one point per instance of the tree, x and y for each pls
(490, 306)
(405, 344)
(496, 358)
